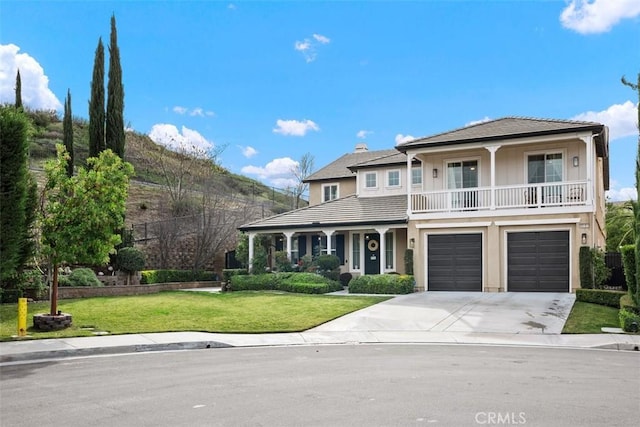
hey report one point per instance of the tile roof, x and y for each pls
(347, 211)
(394, 158)
(503, 128)
(339, 168)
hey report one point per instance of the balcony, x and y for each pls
(542, 195)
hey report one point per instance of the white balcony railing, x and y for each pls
(541, 195)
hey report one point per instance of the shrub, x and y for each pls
(228, 273)
(327, 262)
(382, 284)
(629, 319)
(283, 263)
(628, 253)
(27, 284)
(626, 300)
(408, 261)
(308, 283)
(586, 269)
(80, 277)
(259, 262)
(593, 270)
(130, 260)
(600, 296)
(165, 276)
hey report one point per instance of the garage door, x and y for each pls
(538, 261)
(454, 262)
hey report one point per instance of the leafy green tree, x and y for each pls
(18, 90)
(18, 192)
(81, 212)
(115, 136)
(619, 225)
(96, 104)
(67, 132)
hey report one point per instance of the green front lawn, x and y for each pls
(239, 312)
(588, 318)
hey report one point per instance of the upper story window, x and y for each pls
(416, 175)
(462, 174)
(371, 180)
(329, 192)
(544, 168)
(393, 178)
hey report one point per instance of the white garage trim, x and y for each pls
(453, 225)
(539, 222)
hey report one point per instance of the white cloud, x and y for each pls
(622, 194)
(401, 139)
(179, 110)
(248, 151)
(620, 118)
(197, 112)
(209, 113)
(277, 172)
(231, 6)
(597, 16)
(187, 140)
(363, 133)
(321, 39)
(308, 46)
(477, 122)
(35, 84)
(294, 127)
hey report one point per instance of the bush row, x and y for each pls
(382, 284)
(629, 319)
(166, 276)
(600, 296)
(306, 283)
(227, 273)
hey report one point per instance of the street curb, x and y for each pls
(99, 351)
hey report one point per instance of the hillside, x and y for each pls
(149, 194)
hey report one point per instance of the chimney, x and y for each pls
(361, 147)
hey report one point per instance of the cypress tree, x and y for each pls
(67, 132)
(115, 136)
(15, 188)
(18, 90)
(96, 104)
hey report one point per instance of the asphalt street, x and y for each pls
(339, 385)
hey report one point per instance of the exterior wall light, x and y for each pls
(435, 173)
(584, 238)
(576, 161)
(412, 243)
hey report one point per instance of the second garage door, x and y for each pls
(538, 261)
(454, 262)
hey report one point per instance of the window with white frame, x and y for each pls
(416, 175)
(355, 251)
(323, 245)
(371, 180)
(393, 178)
(329, 192)
(294, 250)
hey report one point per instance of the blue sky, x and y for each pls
(270, 81)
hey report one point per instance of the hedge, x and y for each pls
(307, 283)
(382, 284)
(628, 253)
(600, 296)
(227, 273)
(166, 276)
(80, 277)
(629, 319)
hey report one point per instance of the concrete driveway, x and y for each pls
(510, 313)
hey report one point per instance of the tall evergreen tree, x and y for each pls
(67, 133)
(96, 104)
(16, 191)
(18, 90)
(115, 136)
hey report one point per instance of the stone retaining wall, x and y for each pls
(113, 291)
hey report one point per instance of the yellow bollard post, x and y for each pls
(22, 317)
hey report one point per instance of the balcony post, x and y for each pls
(410, 157)
(492, 150)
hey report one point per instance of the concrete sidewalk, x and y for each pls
(421, 318)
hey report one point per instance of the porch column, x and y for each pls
(492, 150)
(589, 167)
(251, 236)
(410, 157)
(288, 235)
(329, 232)
(382, 232)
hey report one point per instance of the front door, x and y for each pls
(372, 253)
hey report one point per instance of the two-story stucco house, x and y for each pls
(502, 205)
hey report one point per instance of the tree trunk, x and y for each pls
(54, 291)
